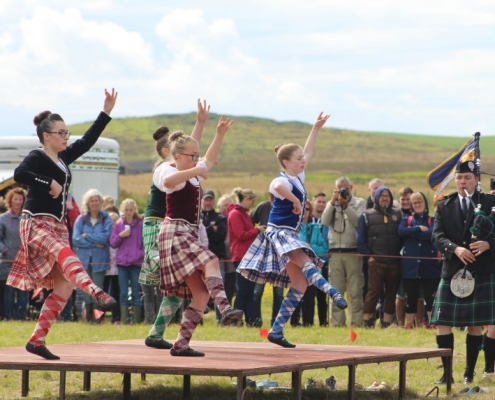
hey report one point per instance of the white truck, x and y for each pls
(97, 169)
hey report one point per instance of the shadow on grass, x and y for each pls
(217, 392)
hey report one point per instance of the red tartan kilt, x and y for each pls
(42, 238)
(181, 254)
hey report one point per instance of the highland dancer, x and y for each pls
(279, 256)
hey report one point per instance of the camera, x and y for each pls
(344, 193)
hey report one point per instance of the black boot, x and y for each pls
(445, 342)
(473, 347)
(489, 349)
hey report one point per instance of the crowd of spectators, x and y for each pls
(376, 250)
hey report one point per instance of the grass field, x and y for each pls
(420, 373)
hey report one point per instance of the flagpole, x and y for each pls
(477, 158)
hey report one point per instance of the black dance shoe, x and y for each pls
(41, 351)
(104, 300)
(186, 353)
(280, 341)
(157, 343)
(231, 317)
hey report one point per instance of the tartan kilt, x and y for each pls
(42, 239)
(150, 270)
(474, 310)
(267, 257)
(181, 254)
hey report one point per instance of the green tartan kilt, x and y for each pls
(150, 270)
(475, 310)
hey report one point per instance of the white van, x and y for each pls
(97, 169)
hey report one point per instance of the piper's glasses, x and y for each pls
(194, 157)
(63, 134)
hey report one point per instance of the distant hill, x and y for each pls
(248, 146)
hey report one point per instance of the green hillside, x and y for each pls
(249, 145)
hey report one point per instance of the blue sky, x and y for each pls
(415, 67)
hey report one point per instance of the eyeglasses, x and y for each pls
(308, 209)
(194, 157)
(417, 203)
(63, 134)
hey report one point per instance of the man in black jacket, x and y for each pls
(452, 237)
(216, 229)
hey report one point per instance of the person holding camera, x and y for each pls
(341, 215)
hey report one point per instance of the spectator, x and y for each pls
(229, 282)
(108, 201)
(10, 241)
(3, 206)
(346, 272)
(111, 282)
(405, 206)
(242, 234)
(374, 184)
(423, 272)
(91, 234)
(378, 235)
(127, 238)
(216, 230)
(492, 186)
(259, 216)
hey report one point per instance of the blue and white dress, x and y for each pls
(266, 259)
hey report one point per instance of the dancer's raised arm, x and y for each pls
(201, 118)
(311, 141)
(213, 151)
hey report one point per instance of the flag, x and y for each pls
(354, 335)
(97, 313)
(264, 332)
(439, 177)
(36, 292)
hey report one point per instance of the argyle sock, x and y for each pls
(473, 347)
(315, 278)
(214, 284)
(289, 304)
(51, 309)
(74, 270)
(190, 320)
(166, 313)
(445, 342)
(489, 349)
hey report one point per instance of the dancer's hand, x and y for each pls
(109, 102)
(320, 121)
(203, 112)
(297, 207)
(55, 189)
(223, 126)
(202, 172)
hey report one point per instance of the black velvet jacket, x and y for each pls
(37, 171)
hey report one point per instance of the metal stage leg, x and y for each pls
(61, 388)
(296, 384)
(351, 389)
(126, 393)
(25, 383)
(402, 379)
(186, 389)
(86, 381)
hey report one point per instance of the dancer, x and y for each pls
(45, 258)
(188, 268)
(279, 256)
(153, 219)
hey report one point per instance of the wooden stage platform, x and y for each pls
(230, 359)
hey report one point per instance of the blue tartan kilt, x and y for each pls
(267, 257)
(474, 310)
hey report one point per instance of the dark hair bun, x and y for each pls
(277, 147)
(175, 136)
(40, 117)
(160, 132)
